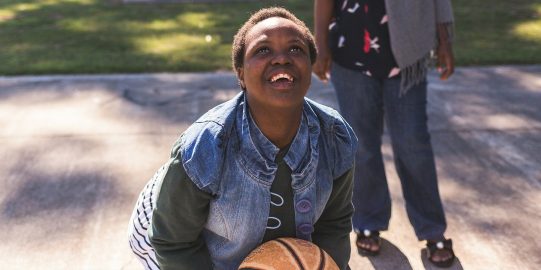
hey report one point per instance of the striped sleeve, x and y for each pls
(140, 221)
(166, 226)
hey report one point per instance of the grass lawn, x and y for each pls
(105, 36)
(498, 32)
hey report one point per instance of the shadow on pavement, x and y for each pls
(390, 257)
(78, 149)
(49, 194)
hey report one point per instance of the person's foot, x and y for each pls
(440, 252)
(368, 242)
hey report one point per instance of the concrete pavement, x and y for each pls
(76, 151)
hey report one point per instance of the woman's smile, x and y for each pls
(282, 80)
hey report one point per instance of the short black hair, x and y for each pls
(239, 42)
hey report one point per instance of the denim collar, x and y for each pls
(258, 153)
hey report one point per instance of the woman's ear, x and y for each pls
(240, 77)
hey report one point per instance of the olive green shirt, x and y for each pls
(182, 209)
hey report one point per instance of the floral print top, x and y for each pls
(359, 38)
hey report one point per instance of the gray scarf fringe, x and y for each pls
(414, 74)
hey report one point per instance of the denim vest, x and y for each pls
(221, 157)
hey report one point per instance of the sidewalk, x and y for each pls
(77, 150)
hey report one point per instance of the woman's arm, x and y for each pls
(446, 59)
(331, 231)
(444, 30)
(323, 10)
(178, 219)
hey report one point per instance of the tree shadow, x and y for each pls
(44, 194)
(485, 125)
(98, 28)
(169, 99)
(56, 200)
(57, 37)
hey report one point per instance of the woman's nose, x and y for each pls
(281, 58)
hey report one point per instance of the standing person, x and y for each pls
(269, 163)
(380, 51)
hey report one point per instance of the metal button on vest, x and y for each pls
(306, 228)
(304, 206)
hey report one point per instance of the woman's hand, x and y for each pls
(322, 66)
(322, 18)
(446, 60)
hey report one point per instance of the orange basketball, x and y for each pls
(288, 254)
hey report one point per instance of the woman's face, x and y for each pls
(276, 69)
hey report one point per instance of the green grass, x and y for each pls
(105, 36)
(498, 32)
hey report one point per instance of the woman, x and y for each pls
(376, 54)
(267, 164)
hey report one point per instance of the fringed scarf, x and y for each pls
(412, 29)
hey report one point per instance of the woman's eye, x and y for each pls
(296, 49)
(262, 50)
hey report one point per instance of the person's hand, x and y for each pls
(446, 60)
(322, 66)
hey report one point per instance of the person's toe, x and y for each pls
(441, 256)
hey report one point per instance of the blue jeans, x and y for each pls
(364, 102)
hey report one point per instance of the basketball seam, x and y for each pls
(292, 251)
(322, 261)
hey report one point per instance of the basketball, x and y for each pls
(288, 254)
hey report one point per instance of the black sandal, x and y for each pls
(373, 237)
(446, 244)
